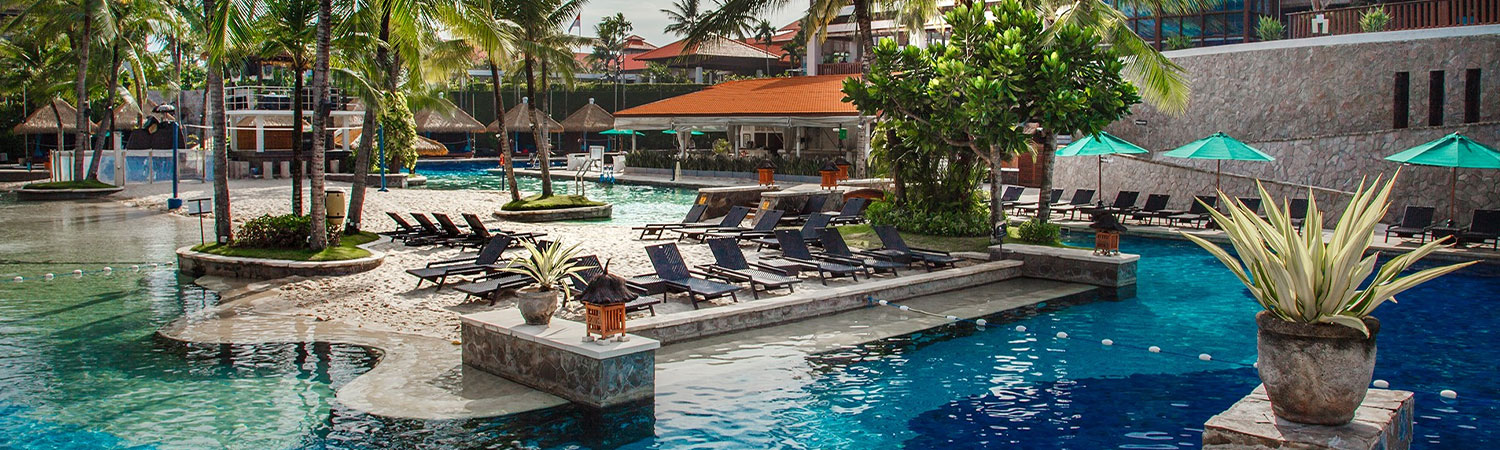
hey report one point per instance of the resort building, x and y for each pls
(790, 116)
(261, 123)
(707, 62)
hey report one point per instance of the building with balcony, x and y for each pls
(260, 119)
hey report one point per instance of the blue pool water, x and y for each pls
(633, 204)
(81, 368)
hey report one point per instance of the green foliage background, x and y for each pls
(400, 132)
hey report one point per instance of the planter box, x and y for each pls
(1384, 421)
(554, 359)
(1071, 265)
(198, 264)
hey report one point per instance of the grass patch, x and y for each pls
(346, 250)
(539, 203)
(864, 236)
(76, 184)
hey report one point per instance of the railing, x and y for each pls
(1404, 16)
(851, 68)
(276, 98)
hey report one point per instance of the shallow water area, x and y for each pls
(633, 204)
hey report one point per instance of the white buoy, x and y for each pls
(168, 263)
(152, 265)
(952, 317)
(1154, 349)
(904, 308)
(1204, 357)
(136, 268)
(47, 277)
(1255, 364)
(1448, 393)
(1062, 335)
(982, 322)
(108, 270)
(883, 302)
(18, 279)
(77, 273)
(1107, 342)
(1021, 328)
(1381, 384)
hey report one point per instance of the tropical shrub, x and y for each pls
(280, 232)
(1037, 232)
(1299, 277)
(1179, 42)
(1269, 29)
(790, 165)
(722, 147)
(548, 266)
(1374, 19)
(969, 220)
(400, 133)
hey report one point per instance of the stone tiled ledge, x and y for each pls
(1070, 264)
(749, 314)
(64, 194)
(553, 215)
(554, 359)
(1442, 254)
(199, 264)
(1383, 421)
(561, 334)
(392, 180)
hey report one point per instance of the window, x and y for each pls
(1471, 96)
(1401, 104)
(1435, 96)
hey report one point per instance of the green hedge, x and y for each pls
(280, 232)
(970, 221)
(792, 165)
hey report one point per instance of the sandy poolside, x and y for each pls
(387, 298)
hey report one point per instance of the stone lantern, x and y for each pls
(1106, 233)
(830, 174)
(767, 173)
(604, 306)
(843, 165)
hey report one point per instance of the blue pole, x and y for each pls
(380, 138)
(174, 202)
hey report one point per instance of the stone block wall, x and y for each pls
(1070, 265)
(553, 360)
(1323, 108)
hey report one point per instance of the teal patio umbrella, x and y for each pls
(694, 133)
(1100, 144)
(631, 133)
(1219, 147)
(1453, 151)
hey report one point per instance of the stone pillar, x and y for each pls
(286, 169)
(1384, 421)
(265, 170)
(698, 74)
(555, 359)
(814, 56)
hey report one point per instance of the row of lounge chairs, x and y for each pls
(1416, 222)
(693, 226)
(446, 233)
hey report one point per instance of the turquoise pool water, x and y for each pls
(80, 367)
(633, 204)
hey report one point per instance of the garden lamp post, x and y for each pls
(174, 202)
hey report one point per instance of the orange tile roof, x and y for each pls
(722, 46)
(795, 96)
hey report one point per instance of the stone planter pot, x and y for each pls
(537, 306)
(1315, 373)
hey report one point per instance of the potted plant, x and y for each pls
(1316, 339)
(549, 267)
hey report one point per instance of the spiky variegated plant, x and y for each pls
(1299, 277)
(548, 266)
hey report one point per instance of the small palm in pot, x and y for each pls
(549, 267)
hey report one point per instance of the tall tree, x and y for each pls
(544, 46)
(683, 17)
(126, 30)
(74, 19)
(486, 25)
(287, 30)
(319, 233)
(764, 32)
(220, 27)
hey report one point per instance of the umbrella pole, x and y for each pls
(1452, 195)
(1101, 178)
(1218, 175)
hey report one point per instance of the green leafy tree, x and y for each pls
(400, 128)
(288, 30)
(683, 16)
(995, 76)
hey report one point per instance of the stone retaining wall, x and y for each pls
(198, 264)
(766, 312)
(10, 175)
(553, 215)
(44, 195)
(720, 199)
(1071, 265)
(554, 359)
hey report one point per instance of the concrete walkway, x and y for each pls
(561, 175)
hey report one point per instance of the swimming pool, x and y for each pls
(633, 204)
(80, 368)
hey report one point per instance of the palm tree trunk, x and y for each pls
(504, 142)
(534, 116)
(361, 171)
(866, 42)
(80, 93)
(997, 205)
(297, 155)
(214, 88)
(109, 116)
(319, 238)
(1044, 204)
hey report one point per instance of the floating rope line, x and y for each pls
(1446, 394)
(79, 273)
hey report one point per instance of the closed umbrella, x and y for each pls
(1100, 144)
(1453, 151)
(1219, 147)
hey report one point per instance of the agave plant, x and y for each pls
(548, 266)
(1299, 276)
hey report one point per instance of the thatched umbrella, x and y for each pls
(45, 120)
(429, 147)
(589, 119)
(607, 289)
(128, 115)
(451, 121)
(517, 121)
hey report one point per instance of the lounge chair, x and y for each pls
(1251, 203)
(489, 286)
(731, 219)
(1081, 201)
(730, 265)
(809, 232)
(593, 269)
(765, 223)
(812, 206)
(1485, 225)
(654, 230)
(1124, 203)
(477, 227)
(1416, 221)
(677, 278)
(1196, 213)
(834, 246)
(1033, 206)
(852, 212)
(1297, 211)
(1012, 196)
(404, 230)
(1155, 204)
(895, 249)
(431, 234)
(487, 261)
(458, 238)
(794, 250)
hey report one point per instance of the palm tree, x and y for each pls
(319, 233)
(543, 45)
(75, 19)
(486, 25)
(220, 27)
(286, 29)
(764, 32)
(126, 30)
(683, 16)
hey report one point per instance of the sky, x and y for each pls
(648, 20)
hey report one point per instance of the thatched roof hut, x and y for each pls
(453, 120)
(276, 123)
(44, 120)
(128, 116)
(589, 119)
(429, 147)
(515, 120)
